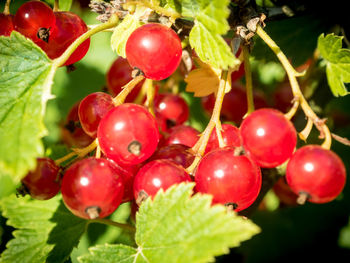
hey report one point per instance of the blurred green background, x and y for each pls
(308, 233)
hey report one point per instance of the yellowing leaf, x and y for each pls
(205, 80)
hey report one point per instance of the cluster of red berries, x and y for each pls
(142, 153)
(52, 31)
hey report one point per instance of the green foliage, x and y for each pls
(178, 227)
(124, 29)
(45, 230)
(297, 38)
(338, 63)
(25, 86)
(64, 5)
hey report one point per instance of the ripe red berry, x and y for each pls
(284, 193)
(44, 182)
(177, 153)
(128, 134)
(234, 106)
(35, 20)
(317, 173)
(155, 49)
(156, 175)
(172, 108)
(230, 135)
(68, 28)
(118, 75)
(268, 137)
(230, 179)
(91, 110)
(92, 188)
(72, 134)
(182, 134)
(6, 24)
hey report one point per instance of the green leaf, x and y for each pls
(124, 29)
(25, 86)
(205, 37)
(178, 228)
(344, 236)
(45, 230)
(211, 48)
(338, 63)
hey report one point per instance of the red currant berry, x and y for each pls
(316, 173)
(234, 106)
(155, 49)
(156, 175)
(268, 137)
(128, 174)
(177, 153)
(172, 108)
(44, 182)
(35, 20)
(91, 110)
(128, 134)
(92, 188)
(72, 134)
(118, 75)
(230, 135)
(283, 97)
(284, 193)
(182, 134)
(230, 179)
(6, 24)
(68, 28)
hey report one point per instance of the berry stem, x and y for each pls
(248, 80)
(298, 95)
(109, 222)
(112, 22)
(305, 133)
(199, 147)
(56, 6)
(7, 7)
(79, 152)
(120, 98)
(148, 85)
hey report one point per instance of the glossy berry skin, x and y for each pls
(317, 172)
(155, 49)
(32, 17)
(230, 135)
(6, 24)
(172, 108)
(182, 134)
(230, 179)
(44, 181)
(72, 134)
(68, 28)
(93, 184)
(118, 75)
(268, 137)
(128, 134)
(156, 175)
(91, 110)
(177, 153)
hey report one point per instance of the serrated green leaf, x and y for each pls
(25, 86)
(179, 227)
(124, 29)
(338, 63)
(211, 48)
(45, 230)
